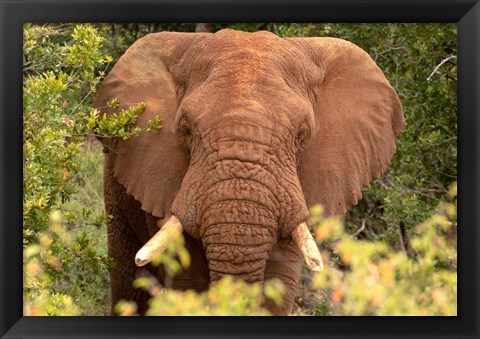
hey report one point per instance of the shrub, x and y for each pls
(377, 280)
(228, 296)
(63, 64)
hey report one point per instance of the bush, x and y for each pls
(63, 65)
(228, 296)
(361, 277)
(377, 280)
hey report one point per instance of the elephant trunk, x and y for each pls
(242, 207)
(246, 262)
(238, 232)
(239, 249)
(238, 222)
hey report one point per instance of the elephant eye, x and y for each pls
(184, 128)
(302, 132)
(302, 136)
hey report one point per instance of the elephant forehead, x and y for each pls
(247, 75)
(253, 44)
(246, 58)
(253, 67)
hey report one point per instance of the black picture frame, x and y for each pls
(466, 13)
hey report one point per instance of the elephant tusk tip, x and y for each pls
(315, 265)
(159, 242)
(140, 262)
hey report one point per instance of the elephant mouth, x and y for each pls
(173, 228)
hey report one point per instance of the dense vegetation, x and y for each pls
(402, 234)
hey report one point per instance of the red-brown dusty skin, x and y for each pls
(256, 129)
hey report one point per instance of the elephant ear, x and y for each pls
(358, 115)
(151, 165)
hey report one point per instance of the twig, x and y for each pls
(448, 175)
(360, 230)
(92, 135)
(389, 183)
(275, 29)
(440, 65)
(109, 149)
(402, 243)
(81, 102)
(403, 48)
(407, 248)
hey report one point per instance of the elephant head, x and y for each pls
(256, 128)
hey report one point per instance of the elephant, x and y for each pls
(256, 129)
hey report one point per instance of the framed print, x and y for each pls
(177, 161)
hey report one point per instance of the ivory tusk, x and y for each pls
(158, 243)
(307, 245)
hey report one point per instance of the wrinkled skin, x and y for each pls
(256, 129)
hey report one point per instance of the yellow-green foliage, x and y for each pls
(377, 280)
(228, 296)
(63, 65)
(154, 124)
(60, 77)
(38, 296)
(119, 124)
